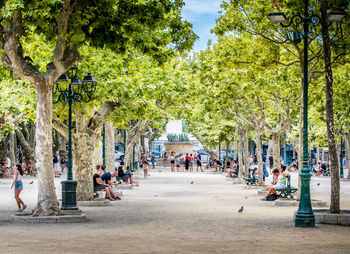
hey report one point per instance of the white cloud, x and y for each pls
(202, 6)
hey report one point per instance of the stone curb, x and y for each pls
(48, 219)
(96, 202)
(294, 202)
(125, 187)
(322, 216)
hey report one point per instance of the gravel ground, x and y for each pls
(168, 214)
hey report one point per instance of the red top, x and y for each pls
(188, 158)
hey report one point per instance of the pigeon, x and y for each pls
(318, 184)
(192, 182)
(246, 197)
(240, 209)
(159, 170)
(31, 182)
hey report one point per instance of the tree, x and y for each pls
(150, 26)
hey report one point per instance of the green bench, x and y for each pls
(251, 179)
(288, 190)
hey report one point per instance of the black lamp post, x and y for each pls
(70, 88)
(304, 216)
(104, 145)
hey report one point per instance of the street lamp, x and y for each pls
(304, 216)
(70, 88)
(104, 145)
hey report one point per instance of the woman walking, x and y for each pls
(172, 162)
(17, 182)
(191, 163)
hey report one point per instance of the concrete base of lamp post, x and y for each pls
(322, 216)
(295, 202)
(66, 216)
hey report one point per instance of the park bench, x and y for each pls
(288, 190)
(251, 179)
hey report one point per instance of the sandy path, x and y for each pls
(167, 214)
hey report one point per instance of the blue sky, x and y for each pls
(202, 15)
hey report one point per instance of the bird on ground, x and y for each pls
(246, 197)
(240, 209)
(318, 184)
(31, 182)
(192, 182)
(159, 170)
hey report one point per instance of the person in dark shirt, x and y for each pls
(199, 162)
(271, 162)
(124, 174)
(99, 185)
(107, 178)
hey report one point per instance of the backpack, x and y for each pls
(272, 197)
(55, 160)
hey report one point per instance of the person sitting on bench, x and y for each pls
(99, 185)
(4, 170)
(232, 170)
(107, 177)
(281, 182)
(218, 165)
(124, 174)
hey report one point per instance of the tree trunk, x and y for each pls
(56, 142)
(235, 141)
(246, 153)
(12, 151)
(317, 154)
(97, 151)
(227, 147)
(3, 147)
(82, 158)
(347, 136)
(258, 155)
(110, 146)
(47, 200)
(27, 148)
(334, 166)
(276, 138)
(63, 142)
(240, 159)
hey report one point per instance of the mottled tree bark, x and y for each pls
(12, 151)
(276, 148)
(27, 146)
(47, 199)
(3, 147)
(259, 156)
(110, 145)
(82, 158)
(246, 152)
(240, 159)
(235, 141)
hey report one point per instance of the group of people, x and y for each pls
(59, 164)
(185, 162)
(102, 180)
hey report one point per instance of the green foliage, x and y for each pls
(173, 137)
